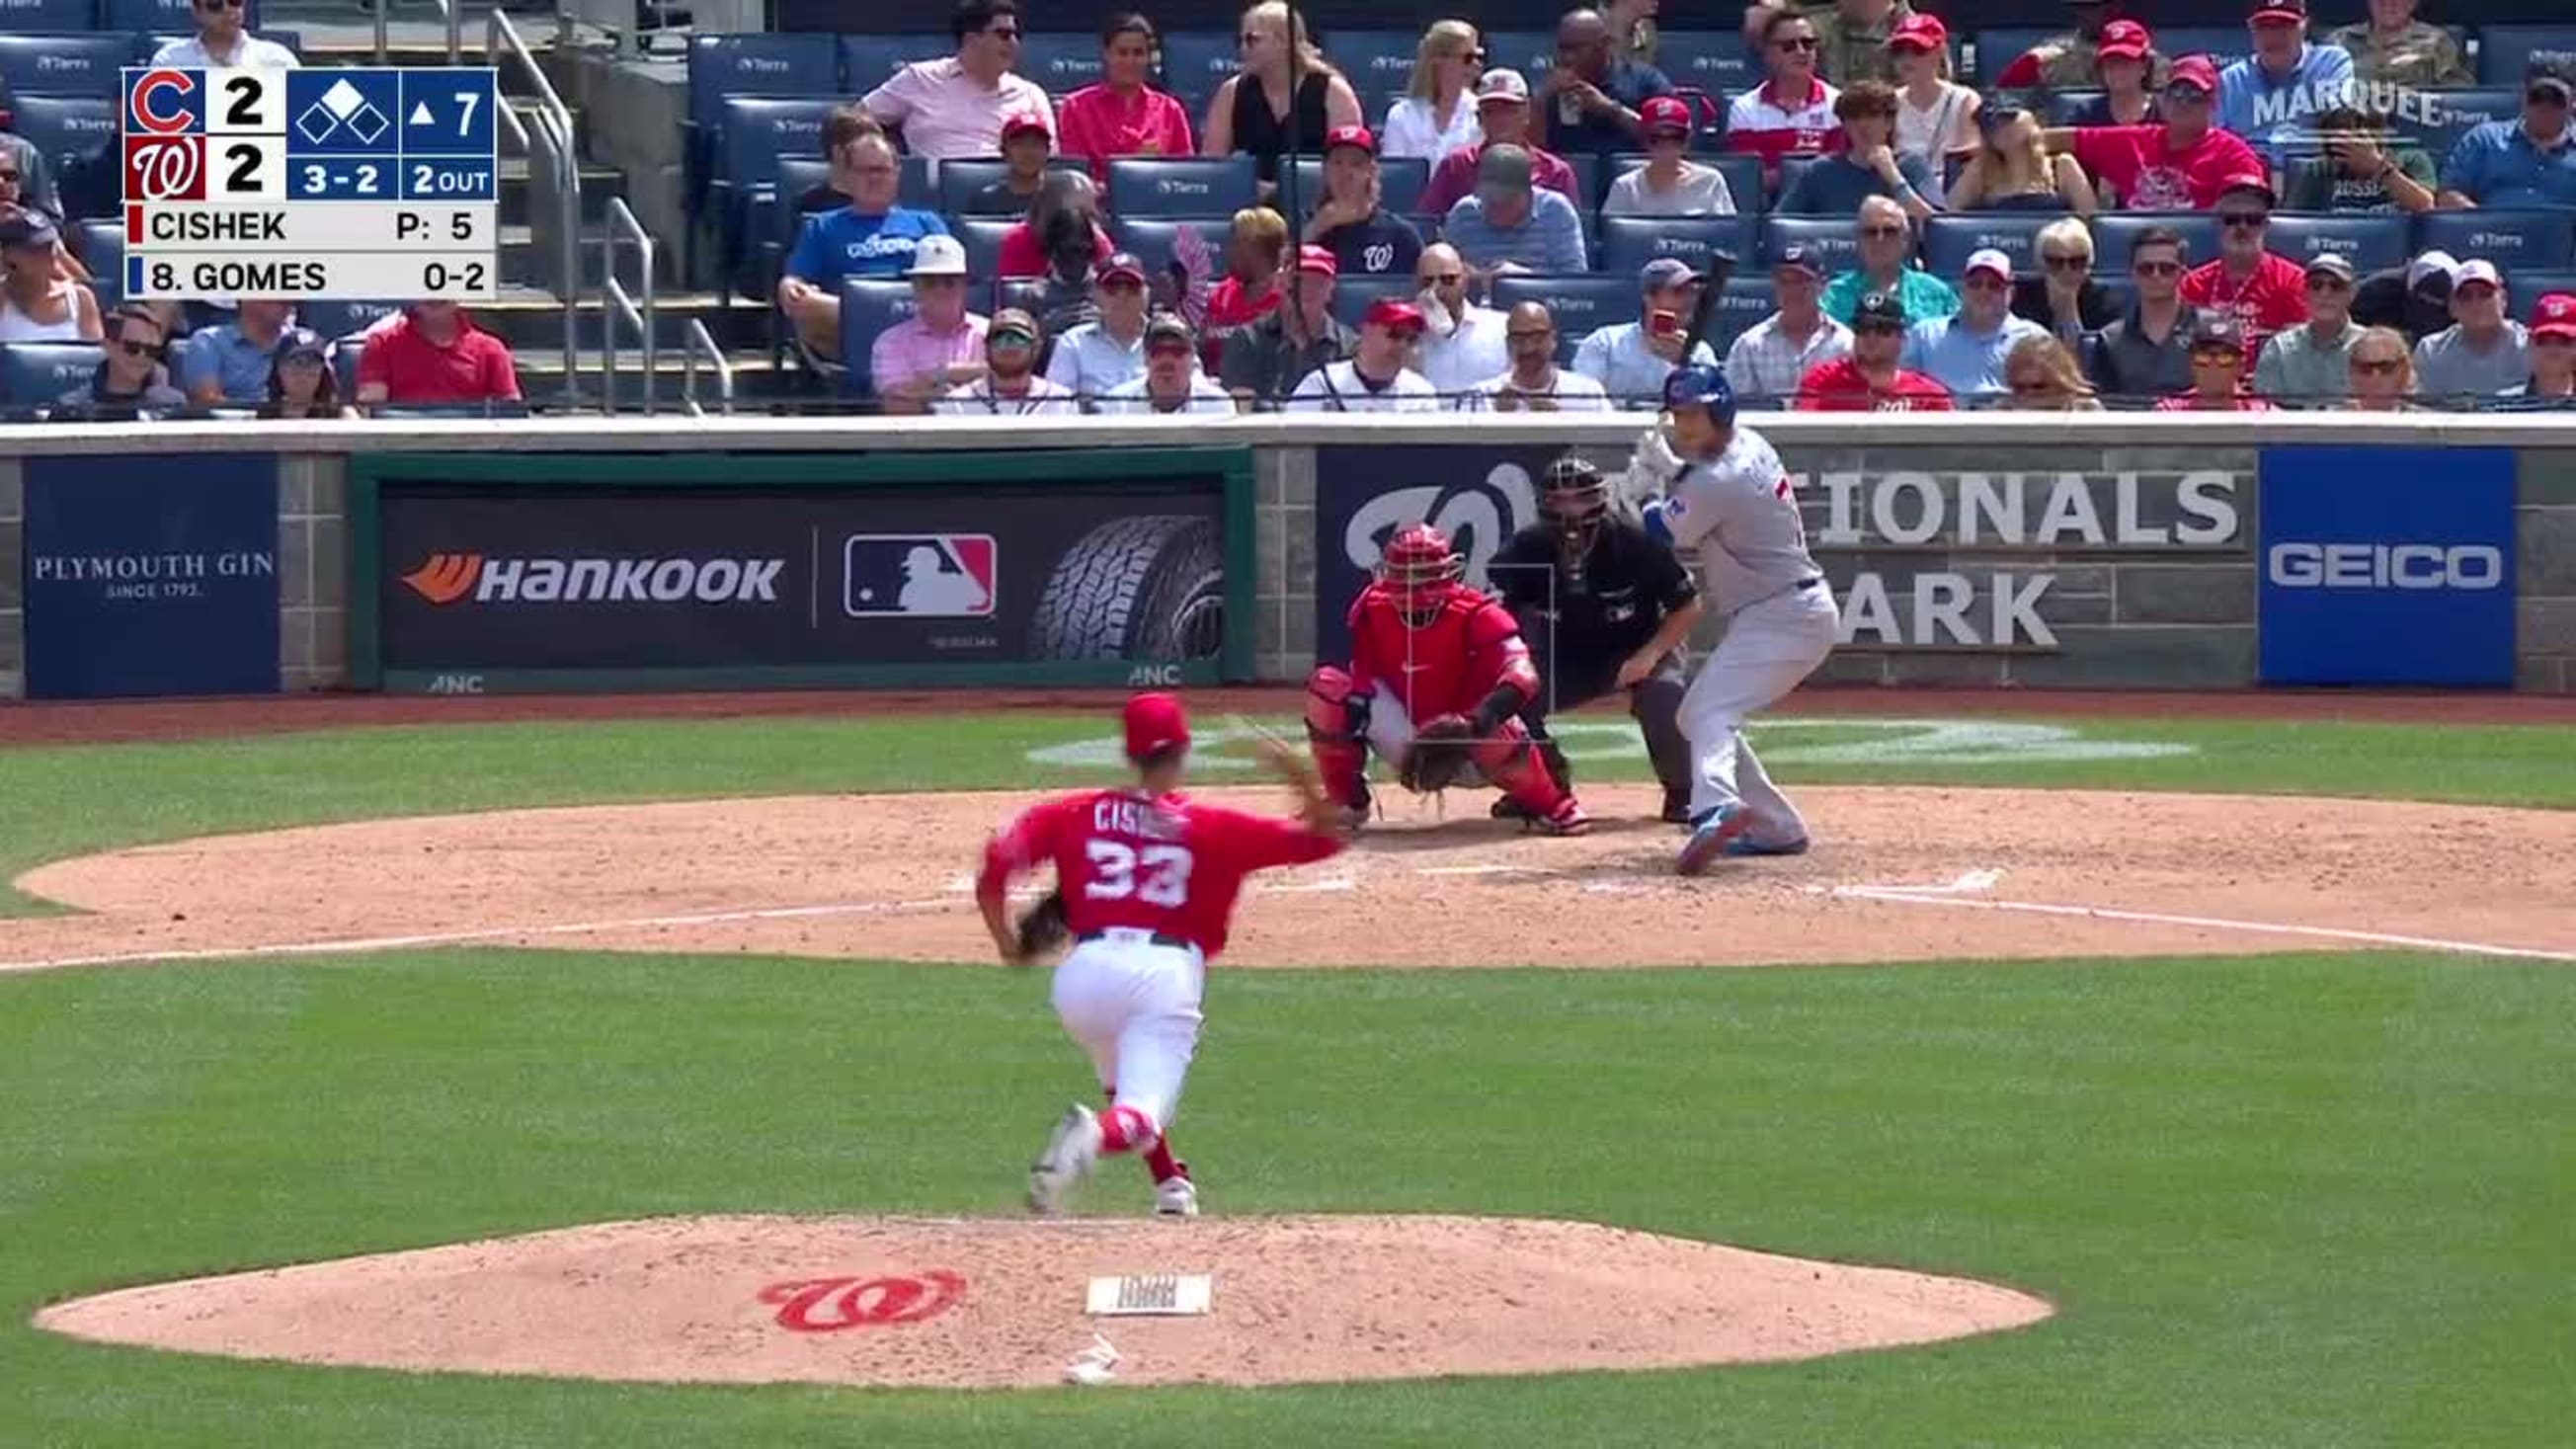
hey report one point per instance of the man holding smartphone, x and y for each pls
(1631, 359)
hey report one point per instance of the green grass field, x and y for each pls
(2281, 1200)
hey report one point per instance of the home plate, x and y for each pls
(1152, 1295)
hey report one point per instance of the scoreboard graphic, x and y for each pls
(354, 185)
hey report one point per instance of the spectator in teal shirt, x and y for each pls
(1886, 265)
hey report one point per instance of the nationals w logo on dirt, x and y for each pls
(448, 578)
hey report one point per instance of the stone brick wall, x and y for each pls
(2545, 573)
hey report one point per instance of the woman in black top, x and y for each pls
(1250, 113)
(2063, 297)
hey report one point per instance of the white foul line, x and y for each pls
(496, 933)
(1932, 897)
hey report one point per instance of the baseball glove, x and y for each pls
(1439, 758)
(1043, 929)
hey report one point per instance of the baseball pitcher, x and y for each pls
(1733, 503)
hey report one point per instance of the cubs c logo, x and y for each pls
(143, 103)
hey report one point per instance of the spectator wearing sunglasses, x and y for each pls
(2265, 292)
(2147, 352)
(2179, 164)
(1887, 265)
(1965, 351)
(130, 382)
(2044, 378)
(2271, 96)
(2529, 161)
(2012, 169)
(1437, 112)
(24, 186)
(222, 40)
(1873, 379)
(1791, 113)
(2217, 371)
(2064, 298)
(1670, 183)
(2311, 366)
(2383, 373)
(956, 107)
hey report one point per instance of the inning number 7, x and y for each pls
(465, 111)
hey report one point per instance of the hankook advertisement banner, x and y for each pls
(913, 568)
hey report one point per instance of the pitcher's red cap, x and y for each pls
(1155, 722)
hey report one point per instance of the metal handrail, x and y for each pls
(695, 339)
(554, 164)
(452, 11)
(617, 302)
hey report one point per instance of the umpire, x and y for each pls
(1603, 606)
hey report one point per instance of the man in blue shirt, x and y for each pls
(230, 363)
(871, 237)
(2273, 97)
(1868, 165)
(1591, 94)
(2525, 162)
(1966, 353)
(1507, 224)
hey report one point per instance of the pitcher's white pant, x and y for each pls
(1134, 1006)
(1769, 646)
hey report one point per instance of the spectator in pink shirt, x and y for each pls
(940, 347)
(1123, 116)
(955, 107)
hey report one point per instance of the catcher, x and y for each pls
(1438, 678)
(1605, 606)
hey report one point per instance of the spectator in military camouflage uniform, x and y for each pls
(1633, 34)
(1851, 36)
(2392, 47)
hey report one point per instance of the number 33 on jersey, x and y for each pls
(1172, 866)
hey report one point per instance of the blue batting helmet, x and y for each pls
(1701, 386)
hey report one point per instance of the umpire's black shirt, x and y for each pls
(1603, 612)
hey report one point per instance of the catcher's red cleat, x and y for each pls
(1566, 819)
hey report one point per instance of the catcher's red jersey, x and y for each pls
(1169, 865)
(1446, 667)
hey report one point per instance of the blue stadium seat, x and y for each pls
(1151, 239)
(2517, 241)
(1828, 237)
(1712, 60)
(2225, 44)
(1025, 293)
(101, 245)
(1582, 304)
(76, 136)
(867, 60)
(1744, 302)
(983, 238)
(1195, 63)
(2525, 291)
(2436, 120)
(344, 367)
(1743, 176)
(2504, 50)
(33, 374)
(960, 179)
(1629, 242)
(1401, 180)
(2113, 233)
(64, 65)
(1587, 169)
(2369, 242)
(1999, 47)
(722, 67)
(1353, 295)
(332, 321)
(1948, 240)
(868, 308)
(1531, 52)
(1060, 62)
(1786, 181)
(1376, 62)
(1181, 185)
(753, 136)
(155, 18)
(2063, 107)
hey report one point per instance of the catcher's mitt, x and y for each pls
(1439, 758)
(1042, 927)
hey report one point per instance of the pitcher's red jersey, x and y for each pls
(1168, 865)
(1446, 667)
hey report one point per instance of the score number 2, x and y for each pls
(1158, 875)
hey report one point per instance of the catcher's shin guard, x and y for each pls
(1336, 722)
(1512, 762)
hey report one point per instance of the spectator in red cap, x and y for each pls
(2217, 371)
(434, 354)
(2263, 291)
(1503, 116)
(2553, 355)
(1351, 221)
(1261, 362)
(2180, 164)
(1172, 384)
(1936, 117)
(2124, 66)
(1592, 94)
(1253, 111)
(1123, 115)
(1670, 183)
(1027, 145)
(1791, 113)
(1378, 377)
(1097, 356)
(2062, 62)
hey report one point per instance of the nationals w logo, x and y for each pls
(829, 1305)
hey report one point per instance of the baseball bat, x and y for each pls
(1712, 283)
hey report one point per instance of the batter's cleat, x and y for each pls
(1071, 1149)
(1746, 845)
(1710, 835)
(1566, 819)
(1176, 1197)
(1676, 807)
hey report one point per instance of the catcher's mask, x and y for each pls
(1573, 500)
(1420, 568)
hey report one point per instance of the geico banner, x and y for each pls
(150, 574)
(2387, 566)
(1479, 495)
(477, 577)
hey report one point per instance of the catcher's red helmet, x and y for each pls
(1420, 568)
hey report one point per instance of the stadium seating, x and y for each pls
(2000, 46)
(2513, 240)
(102, 249)
(2368, 242)
(1378, 63)
(1581, 304)
(65, 65)
(1829, 238)
(1401, 180)
(33, 374)
(960, 179)
(1711, 60)
(754, 134)
(157, 17)
(1743, 302)
(1354, 295)
(1948, 241)
(1531, 52)
(1629, 242)
(61, 16)
(983, 238)
(65, 129)
(2505, 50)
(2113, 234)
(867, 309)
(2436, 120)
(1195, 63)
(2524, 292)
(332, 321)
(1151, 238)
(1061, 62)
(1743, 176)
(1172, 186)
(867, 60)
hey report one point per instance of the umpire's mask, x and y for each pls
(1573, 501)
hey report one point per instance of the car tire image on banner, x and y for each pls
(1145, 588)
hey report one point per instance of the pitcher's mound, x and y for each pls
(988, 1303)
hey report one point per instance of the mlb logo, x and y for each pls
(918, 575)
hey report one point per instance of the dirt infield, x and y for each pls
(1896, 875)
(987, 1303)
